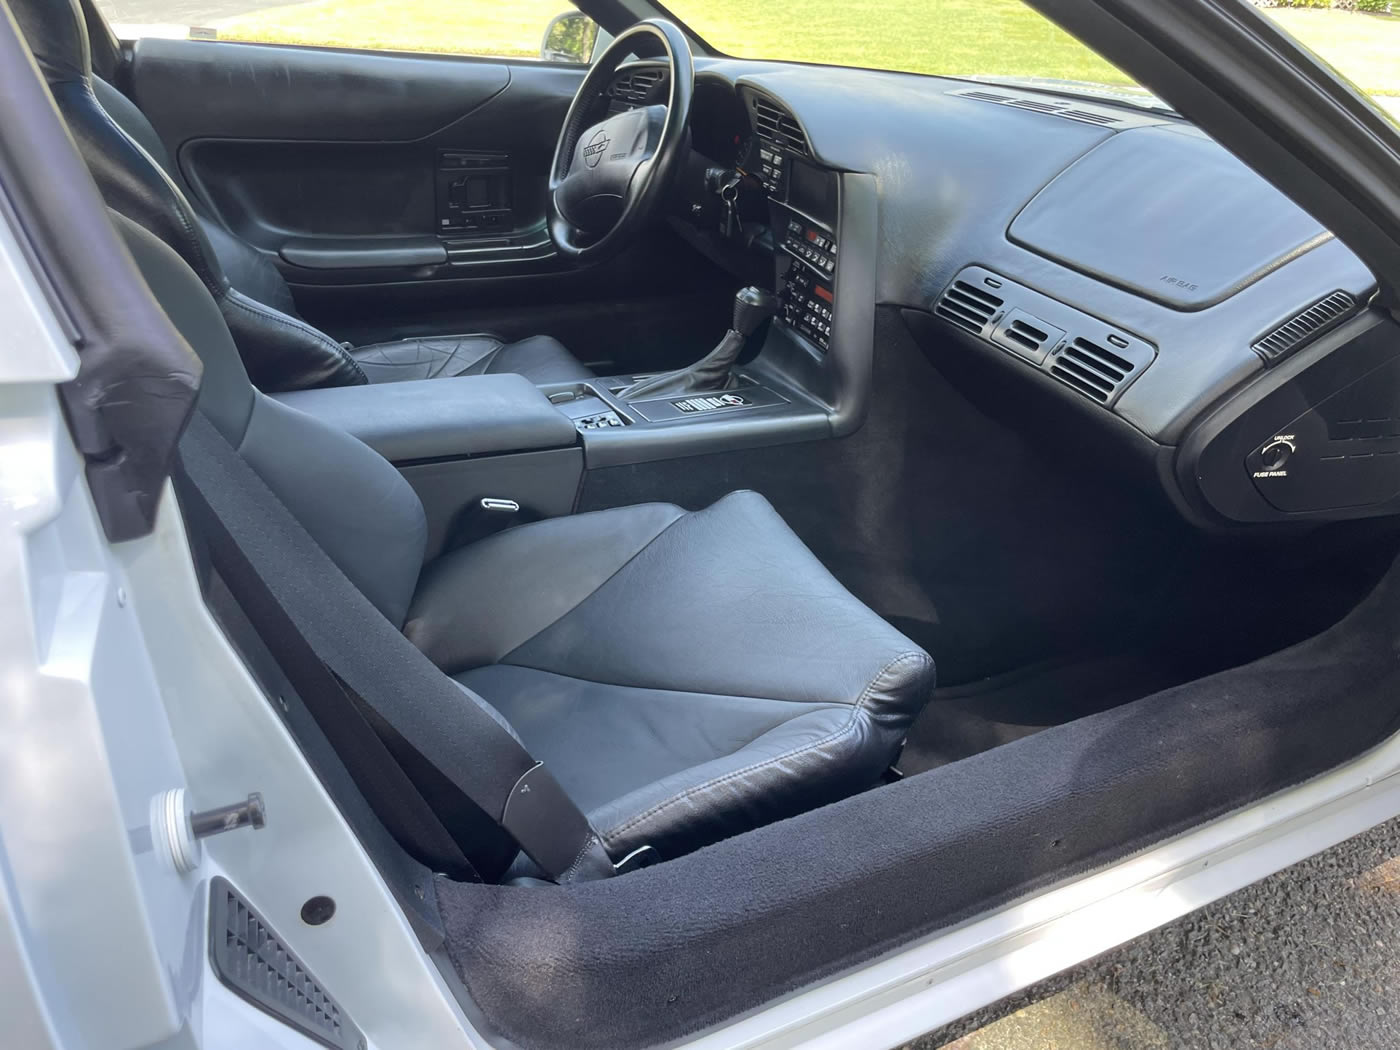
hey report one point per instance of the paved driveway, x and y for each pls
(1306, 960)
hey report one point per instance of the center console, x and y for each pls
(486, 452)
(805, 201)
(810, 377)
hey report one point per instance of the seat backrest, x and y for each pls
(462, 765)
(281, 351)
(247, 269)
(349, 498)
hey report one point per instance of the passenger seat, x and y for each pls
(683, 675)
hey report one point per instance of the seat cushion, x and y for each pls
(539, 359)
(686, 676)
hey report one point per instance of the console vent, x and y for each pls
(1082, 352)
(1026, 335)
(1091, 369)
(633, 87)
(250, 959)
(1305, 326)
(1103, 117)
(778, 126)
(968, 306)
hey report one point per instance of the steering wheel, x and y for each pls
(608, 179)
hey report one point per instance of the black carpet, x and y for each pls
(1034, 763)
(669, 950)
(965, 719)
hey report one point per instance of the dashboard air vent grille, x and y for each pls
(1034, 104)
(967, 306)
(1027, 335)
(985, 96)
(634, 86)
(1091, 369)
(1086, 354)
(1305, 326)
(1089, 116)
(778, 126)
(1070, 111)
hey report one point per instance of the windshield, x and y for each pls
(992, 38)
(1006, 40)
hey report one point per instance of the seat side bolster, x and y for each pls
(809, 761)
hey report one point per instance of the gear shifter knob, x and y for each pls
(714, 371)
(753, 306)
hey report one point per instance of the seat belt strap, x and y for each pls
(348, 662)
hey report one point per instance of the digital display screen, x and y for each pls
(812, 190)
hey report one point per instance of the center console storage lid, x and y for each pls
(442, 418)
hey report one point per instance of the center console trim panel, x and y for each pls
(441, 418)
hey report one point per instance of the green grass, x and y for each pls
(955, 37)
(510, 28)
(1364, 48)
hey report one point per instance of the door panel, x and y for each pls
(342, 166)
(302, 145)
(197, 88)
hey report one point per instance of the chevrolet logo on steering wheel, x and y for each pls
(597, 146)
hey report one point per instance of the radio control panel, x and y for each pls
(806, 291)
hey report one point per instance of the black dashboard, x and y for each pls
(1115, 261)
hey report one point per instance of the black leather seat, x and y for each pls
(281, 351)
(685, 675)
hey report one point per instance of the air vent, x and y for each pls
(985, 96)
(1104, 117)
(252, 960)
(1038, 105)
(968, 306)
(1089, 117)
(633, 87)
(1082, 352)
(1026, 335)
(1305, 326)
(778, 126)
(1091, 369)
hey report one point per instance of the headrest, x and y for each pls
(57, 35)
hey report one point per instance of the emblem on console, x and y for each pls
(597, 146)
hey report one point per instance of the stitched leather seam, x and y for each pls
(658, 688)
(365, 354)
(201, 263)
(826, 741)
(611, 576)
(488, 359)
(572, 869)
(251, 306)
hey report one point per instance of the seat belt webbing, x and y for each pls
(348, 662)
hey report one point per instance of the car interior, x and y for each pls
(596, 463)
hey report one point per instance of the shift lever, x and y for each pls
(752, 306)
